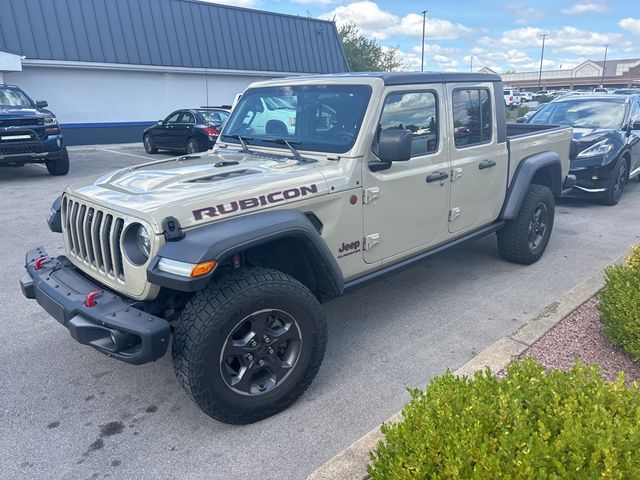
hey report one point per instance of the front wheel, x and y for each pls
(59, 167)
(249, 344)
(524, 239)
(149, 146)
(616, 184)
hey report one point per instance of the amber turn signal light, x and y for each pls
(203, 268)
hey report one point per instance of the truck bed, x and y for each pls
(524, 140)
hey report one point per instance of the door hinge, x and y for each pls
(370, 194)
(454, 213)
(371, 241)
(456, 173)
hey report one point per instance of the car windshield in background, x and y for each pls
(582, 113)
(10, 97)
(324, 118)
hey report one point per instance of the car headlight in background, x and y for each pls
(143, 239)
(51, 125)
(597, 149)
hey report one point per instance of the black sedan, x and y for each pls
(605, 152)
(191, 131)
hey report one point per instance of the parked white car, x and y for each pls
(512, 98)
(526, 96)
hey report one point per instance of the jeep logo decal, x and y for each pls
(348, 248)
(253, 202)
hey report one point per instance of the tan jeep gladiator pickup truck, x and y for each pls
(318, 185)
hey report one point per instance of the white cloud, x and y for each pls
(580, 8)
(382, 24)
(631, 24)
(564, 40)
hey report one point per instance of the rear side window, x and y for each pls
(187, 117)
(415, 111)
(471, 116)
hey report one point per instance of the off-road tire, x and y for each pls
(59, 167)
(149, 146)
(619, 178)
(192, 146)
(513, 239)
(213, 313)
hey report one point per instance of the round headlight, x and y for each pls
(143, 239)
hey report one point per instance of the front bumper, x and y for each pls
(39, 151)
(113, 326)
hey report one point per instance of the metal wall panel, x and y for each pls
(174, 33)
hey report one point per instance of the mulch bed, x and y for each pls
(580, 336)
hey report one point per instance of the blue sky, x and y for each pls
(500, 35)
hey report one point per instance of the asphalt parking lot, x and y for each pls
(67, 412)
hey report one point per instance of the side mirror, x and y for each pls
(160, 122)
(42, 103)
(393, 146)
(635, 125)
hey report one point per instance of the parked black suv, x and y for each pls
(29, 133)
(605, 151)
(192, 131)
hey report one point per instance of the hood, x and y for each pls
(200, 189)
(21, 112)
(585, 137)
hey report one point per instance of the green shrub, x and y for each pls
(522, 109)
(543, 99)
(528, 425)
(620, 304)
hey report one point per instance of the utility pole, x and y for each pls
(544, 37)
(604, 64)
(471, 65)
(424, 23)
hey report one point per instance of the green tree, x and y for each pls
(366, 54)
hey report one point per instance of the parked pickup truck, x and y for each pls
(29, 133)
(233, 251)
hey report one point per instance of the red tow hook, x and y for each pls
(90, 299)
(37, 264)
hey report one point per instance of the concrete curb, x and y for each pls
(351, 463)
(114, 146)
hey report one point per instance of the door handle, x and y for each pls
(486, 164)
(436, 177)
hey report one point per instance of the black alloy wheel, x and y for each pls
(538, 226)
(260, 352)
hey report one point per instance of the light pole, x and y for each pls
(604, 64)
(544, 37)
(471, 64)
(424, 23)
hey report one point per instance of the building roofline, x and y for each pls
(255, 10)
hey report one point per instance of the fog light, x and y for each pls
(594, 178)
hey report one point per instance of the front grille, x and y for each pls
(21, 122)
(93, 236)
(19, 148)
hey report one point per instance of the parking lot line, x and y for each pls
(124, 153)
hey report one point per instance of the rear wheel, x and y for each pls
(149, 146)
(525, 239)
(59, 167)
(615, 187)
(192, 146)
(249, 345)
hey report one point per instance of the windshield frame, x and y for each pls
(310, 144)
(583, 99)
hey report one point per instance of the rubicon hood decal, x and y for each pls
(253, 202)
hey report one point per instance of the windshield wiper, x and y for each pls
(241, 139)
(290, 145)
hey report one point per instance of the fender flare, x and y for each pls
(523, 177)
(219, 240)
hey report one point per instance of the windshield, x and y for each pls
(582, 113)
(324, 118)
(11, 97)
